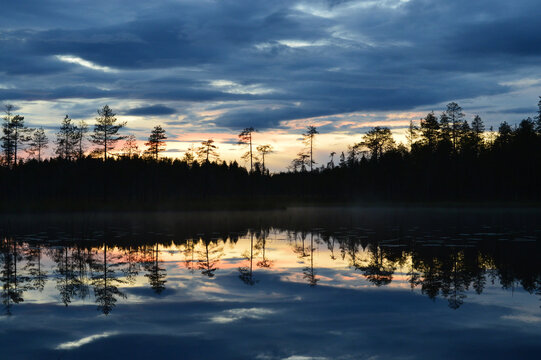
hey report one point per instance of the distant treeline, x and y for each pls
(446, 159)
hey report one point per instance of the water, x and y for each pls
(296, 284)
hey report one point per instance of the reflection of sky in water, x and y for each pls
(305, 298)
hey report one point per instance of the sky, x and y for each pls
(209, 68)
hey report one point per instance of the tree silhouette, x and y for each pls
(378, 271)
(130, 148)
(209, 257)
(105, 284)
(308, 272)
(330, 164)
(156, 275)
(245, 138)
(246, 274)
(300, 162)
(66, 279)
(308, 140)
(264, 150)
(15, 134)
(207, 151)
(261, 244)
(538, 117)
(34, 267)
(38, 143)
(67, 139)
(156, 141)
(430, 131)
(378, 140)
(456, 117)
(412, 133)
(12, 289)
(353, 154)
(81, 131)
(106, 130)
(189, 155)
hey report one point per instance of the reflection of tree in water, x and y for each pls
(450, 275)
(349, 247)
(65, 274)
(246, 274)
(156, 275)
(455, 280)
(379, 271)
(261, 245)
(209, 256)
(189, 255)
(308, 272)
(439, 270)
(82, 260)
(414, 276)
(131, 259)
(34, 267)
(12, 281)
(105, 283)
(299, 249)
(330, 241)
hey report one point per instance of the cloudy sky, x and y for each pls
(208, 68)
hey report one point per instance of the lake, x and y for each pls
(296, 284)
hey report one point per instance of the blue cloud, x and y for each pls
(151, 110)
(282, 60)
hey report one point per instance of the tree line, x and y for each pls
(446, 158)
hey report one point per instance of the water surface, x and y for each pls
(295, 284)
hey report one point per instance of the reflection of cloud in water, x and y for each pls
(529, 319)
(83, 341)
(231, 315)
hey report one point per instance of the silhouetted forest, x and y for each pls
(447, 159)
(442, 253)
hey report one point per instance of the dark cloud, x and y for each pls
(265, 62)
(151, 110)
(518, 110)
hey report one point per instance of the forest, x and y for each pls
(447, 159)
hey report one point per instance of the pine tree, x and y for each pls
(15, 134)
(430, 131)
(412, 132)
(308, 139)
(38, 143)
(264, 150)
(66, 139)
(207, 151)
(156, 141)
(538, 117)
(245, 138)
(106, 130)
(130, 148)
(478, 129)
(189, 155)
(456, 118)
(81, 131)
(378, 140)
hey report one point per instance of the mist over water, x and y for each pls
(301, 283)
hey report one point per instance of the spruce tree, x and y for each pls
(66, 140)
(15, 134)
(106, 131)
(38, 143)
(156, 141)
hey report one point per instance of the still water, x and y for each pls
(296, 284)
